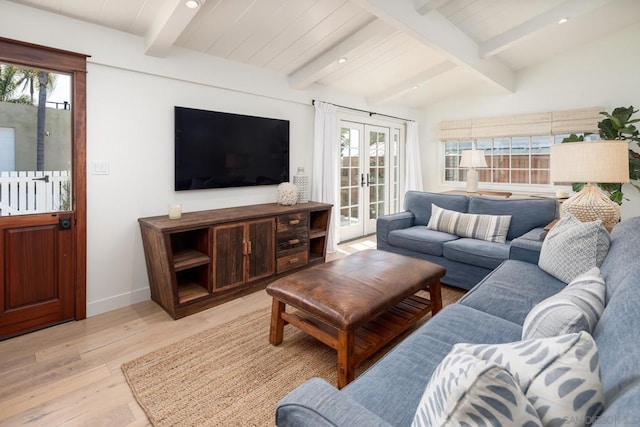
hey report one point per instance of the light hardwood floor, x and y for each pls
(70, 374)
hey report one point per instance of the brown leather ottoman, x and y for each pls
(356, 304)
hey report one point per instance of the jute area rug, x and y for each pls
(230, 375)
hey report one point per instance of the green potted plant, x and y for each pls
(617, 125)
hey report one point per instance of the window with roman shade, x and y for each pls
(516, 147)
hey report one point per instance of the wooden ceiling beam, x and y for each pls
(520, 33)
(439, 33)
(410, 84)
(369, 35)
(171, 20)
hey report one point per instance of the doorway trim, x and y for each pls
(28, 54)
(394, 159)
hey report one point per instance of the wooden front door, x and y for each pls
(42, 187)
(37, 271)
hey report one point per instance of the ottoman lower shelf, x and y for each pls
(367, 339)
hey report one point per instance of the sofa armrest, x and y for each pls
(527, 247)
(387, 223)
(316, 403)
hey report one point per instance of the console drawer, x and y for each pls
(293, 221)
(292, 240)
(291, 261)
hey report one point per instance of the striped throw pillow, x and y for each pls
(492, 228)
(575, 308)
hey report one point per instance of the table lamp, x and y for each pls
(472, 159)
(591, 162)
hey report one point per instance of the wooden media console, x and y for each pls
(208, 257)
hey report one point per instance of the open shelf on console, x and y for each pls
(189, 258)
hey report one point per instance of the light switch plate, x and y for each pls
(101, 167)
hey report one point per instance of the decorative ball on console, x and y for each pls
(287, 194)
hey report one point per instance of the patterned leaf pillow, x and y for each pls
(492, 228)
(465, 390)
(575, 308)
(560, 375)
(572, 247)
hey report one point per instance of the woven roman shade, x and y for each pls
(551, 123)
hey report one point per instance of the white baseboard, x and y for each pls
(112, 303)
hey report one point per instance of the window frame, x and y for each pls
(449, 168)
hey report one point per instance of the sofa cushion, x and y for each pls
(420, 239)
(526, 214)
(560, 375)
(617, 337)
(465, 390)
(512, 290)
(573, 247)
(527, 247)
(476, 252)
(393, 386)
(575, 308)
(492, 228)
(624, 253)
(419, 203)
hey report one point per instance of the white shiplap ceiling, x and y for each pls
(405, 52)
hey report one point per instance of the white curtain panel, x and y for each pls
(324, 186)
(413, 171)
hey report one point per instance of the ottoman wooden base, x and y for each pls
(356, 326)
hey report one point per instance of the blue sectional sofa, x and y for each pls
(492, 312)
(467, 260)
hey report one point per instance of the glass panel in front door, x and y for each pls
(35, 141)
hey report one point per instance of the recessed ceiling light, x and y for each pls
(342, 60)
(192, 4)
(563, 21)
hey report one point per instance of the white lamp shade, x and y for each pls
(601, 161)
(473, 159)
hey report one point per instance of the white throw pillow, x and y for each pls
(575, 308)
(492, 228)
(560, 375)
(467, 391)
(572, 247)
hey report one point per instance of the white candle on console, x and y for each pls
(175, 210)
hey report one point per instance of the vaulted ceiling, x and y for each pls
(405, 52)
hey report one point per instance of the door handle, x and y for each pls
(44, 178)
(368, 181)
(361, 180)
(64, 223)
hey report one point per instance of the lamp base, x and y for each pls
(472, 180)
(591, 204)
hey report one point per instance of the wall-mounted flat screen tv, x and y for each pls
(219, 150)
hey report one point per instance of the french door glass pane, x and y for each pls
(350, 177)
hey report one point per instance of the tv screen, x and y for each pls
(218, 150)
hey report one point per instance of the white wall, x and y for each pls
(130, 100)
(602, 73)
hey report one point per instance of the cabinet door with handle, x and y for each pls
(261, 248)
(230, 247)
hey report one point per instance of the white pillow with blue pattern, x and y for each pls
(467, 391)
(560, 377)
(577, 307)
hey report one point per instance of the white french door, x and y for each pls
(369, 176)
